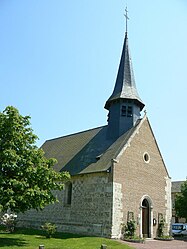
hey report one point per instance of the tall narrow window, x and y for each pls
(68, 193)
(129, 111)
(123, 110)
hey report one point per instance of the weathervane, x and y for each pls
(126, 16)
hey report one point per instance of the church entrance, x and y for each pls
(145, 219)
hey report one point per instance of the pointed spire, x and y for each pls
(125, 87)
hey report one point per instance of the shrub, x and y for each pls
(161, 226)
(49, 228)
(129, 229)
(9, 221)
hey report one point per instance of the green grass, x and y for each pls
(31, 239)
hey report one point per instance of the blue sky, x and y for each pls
(59, 61)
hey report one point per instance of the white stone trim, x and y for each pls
(144, 154)
(168, 204)
(117, 210)
(128, 143)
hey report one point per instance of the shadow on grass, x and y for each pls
(57, 235)
(28, 231)
(12, 242)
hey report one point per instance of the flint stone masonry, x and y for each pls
(90, 211)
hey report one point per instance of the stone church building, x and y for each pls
(117, 170)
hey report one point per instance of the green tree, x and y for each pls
(181, 201)
(27, 178)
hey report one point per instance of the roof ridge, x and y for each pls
(76, 133)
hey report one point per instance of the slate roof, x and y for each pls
(85, 152)
(176, 186)
(125, 87)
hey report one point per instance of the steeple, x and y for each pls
(124, 104)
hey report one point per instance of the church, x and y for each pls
(117, 170)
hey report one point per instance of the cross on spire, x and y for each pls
(126, 16)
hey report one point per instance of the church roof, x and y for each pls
(86, 152)
(125, 87)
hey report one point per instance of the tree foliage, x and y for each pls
(181, 201)
(27, 178)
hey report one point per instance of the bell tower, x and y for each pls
(124, 105)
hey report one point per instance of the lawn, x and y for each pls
(31, 239)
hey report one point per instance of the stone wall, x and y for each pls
(90, 211)
(142, 176)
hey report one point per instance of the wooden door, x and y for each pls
(145, 218)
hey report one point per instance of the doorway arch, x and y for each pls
(146, 226)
